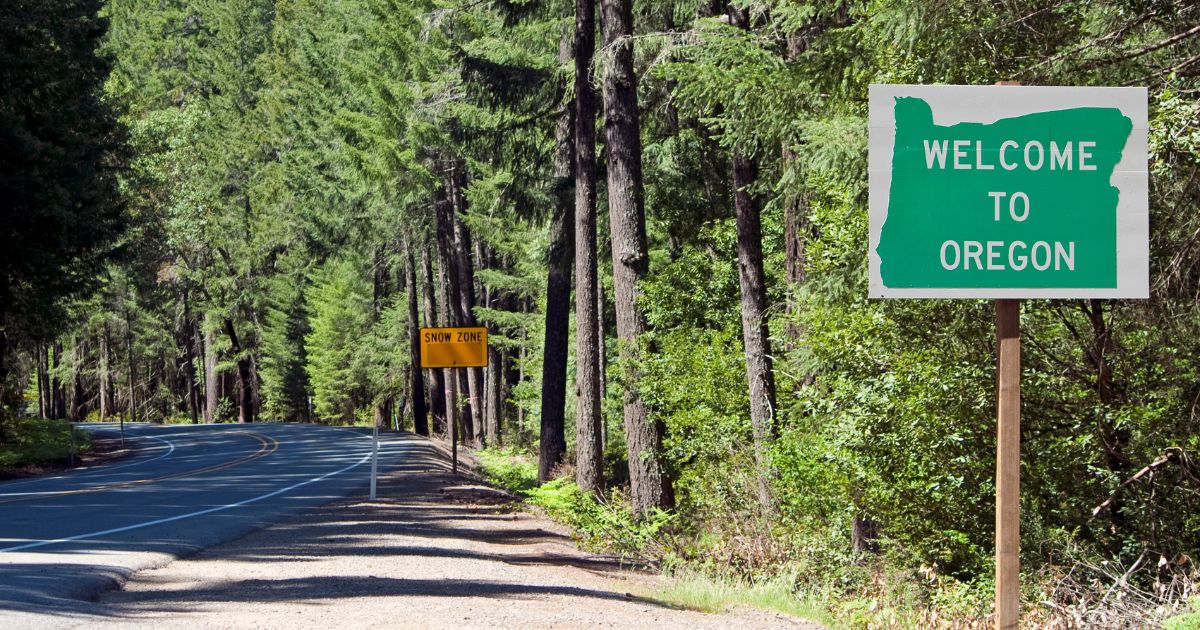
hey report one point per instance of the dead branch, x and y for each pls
(1171, 455)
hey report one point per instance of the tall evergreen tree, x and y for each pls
(60, 149)
(589, 429)
(650, 483)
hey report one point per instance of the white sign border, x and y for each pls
(952, 104)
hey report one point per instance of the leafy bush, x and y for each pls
(1186, 621)
(30, 441)
(508, 468)
(609, 524)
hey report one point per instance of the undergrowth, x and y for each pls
(699, 591)
(737, 560)
(31, 441)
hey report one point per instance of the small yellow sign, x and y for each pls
(454, 347)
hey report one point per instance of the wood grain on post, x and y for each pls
(1008, 463)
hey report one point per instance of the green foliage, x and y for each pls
(1185, 621)
(508, 468)
(29, 441)
(609, 525)
(339, 306)
(62, 147)
(285, 381)
(715, 595)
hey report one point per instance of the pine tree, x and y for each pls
(60, 150)
(650, 484)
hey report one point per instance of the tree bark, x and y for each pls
(78, 393)
(1114, 438)
(552, 437)
(132, 370)
(3, 379)
(43, 387)
(751, 279)
(58, 395)
(449, 301)
(416, 384)
(589, 454)
(245, 387)
(189, 361)
(650, 484)
(795, 222)
(457, 181)
(106, 384)
(493, 384)
(211, 394)
(383, 412)
(436, 379)
(492, 389)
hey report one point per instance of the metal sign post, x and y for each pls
(454, 348)
(374, 457)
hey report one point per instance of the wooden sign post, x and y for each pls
(1008, 193)
(454, 348)
(1008, 463)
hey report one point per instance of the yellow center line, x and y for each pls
(267, 445)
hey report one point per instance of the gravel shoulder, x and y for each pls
(434, 551)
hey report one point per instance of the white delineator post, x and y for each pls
(1008, 463)
(374, 458)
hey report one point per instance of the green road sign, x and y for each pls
(1008, 192)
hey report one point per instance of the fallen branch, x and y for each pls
(1173, 454)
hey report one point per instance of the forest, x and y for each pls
(244, 211)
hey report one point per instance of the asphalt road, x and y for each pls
(66, 538)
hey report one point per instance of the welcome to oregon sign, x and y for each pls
(1008, 192)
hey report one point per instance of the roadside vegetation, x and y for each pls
(31, 444)
(234, 210)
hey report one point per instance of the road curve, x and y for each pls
(68, 537)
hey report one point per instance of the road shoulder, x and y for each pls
(434, 551)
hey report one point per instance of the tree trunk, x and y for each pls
(436, 378)
(453, 407)
(1114, 438)
(383, 412)
(493, 408)
(864, 536)
(189, 361)
(589, 455)
(378, 284)
(416, 384)
(43, 387)
(3, 380)
(211, 394)
(106, 388)
(245, 387)
(512, 376)
(552, 437)
(466, 293)
(133, 409)
(759, 375)
(795, 220)
(449, 301)
(492, 390)
(58, 392)
(650, 485)
(78, 394)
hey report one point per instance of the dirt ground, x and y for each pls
(435, 551)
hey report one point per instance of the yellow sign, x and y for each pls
(453, 347)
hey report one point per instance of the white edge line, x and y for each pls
(76, 472)
(117, 530)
